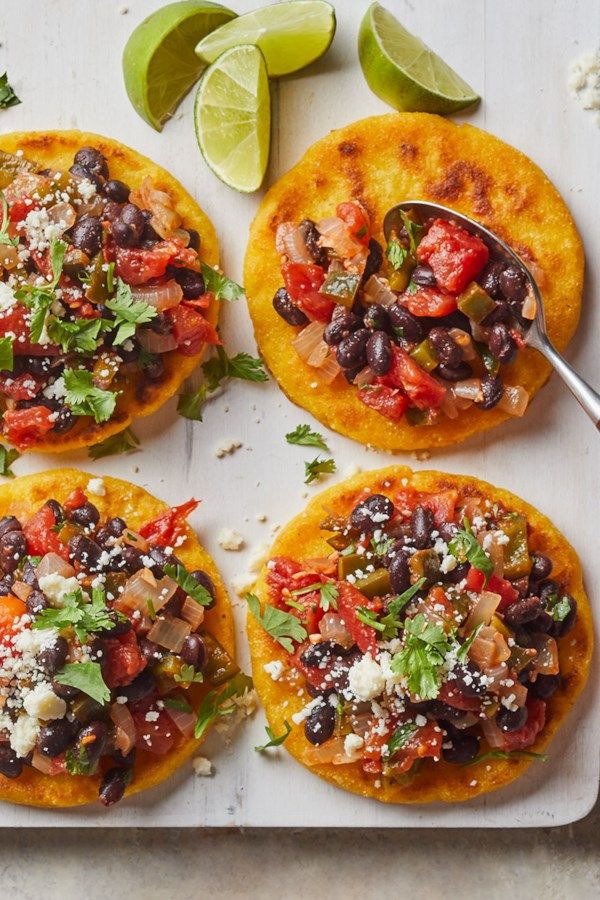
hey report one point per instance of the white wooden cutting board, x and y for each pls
(63, 59)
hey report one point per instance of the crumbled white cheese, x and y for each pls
(274, 669)
(584, 82)
(202, 766)
(24, 735)
(301, 715)
(352, 470)
(56, 587)
(7, 298)
(227, 448)
(352, 745)
(86, 189)
(96, 486)
(365, 678)
(43, 703)
(56, 390)
(229, 539)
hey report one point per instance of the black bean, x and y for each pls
(319, 692)
(161, 559)
(194, 652)
(116, 190)
(91, 742)
(543, 623)
(421, 523)
(371, 513)
(404, 324)
(92, 160)
(490, 278)
(190, 282)
(469, 679)
(57, 510)
(64, 690)
(151, 651)
(140, 688)
(36, 602)
(11, 765)
(288, 311)
(53, 658)
(492, 390)
(350, 374)
(374, 260)
(379, 353)
(13, 547)
(36, 365)
(194, 241)
(130, 560)
(64, 420)
(111, 211)
(399, 573)
(445, 347)
(352, 351)
(559, 629)
(56, 737)
(85, 551)
(116, 526)
(464, 746)
(376, 318)
(319, 654)
(319, 726)
(203, 579)
(502, 312)
(82, 172)
(311, 239)
(423, 276)
(458, 373)
(513, 284)
(541, 567)
(160, 324)
(122, 233)
(547, 588)
(6, 584)
(544, 686)
(508, 720)
(523, 611)
(134, 218)
(85, 515)
(501, 343)
(457, 573)
(9, 523)
(113, 785)
(86, 235)
(342, 324)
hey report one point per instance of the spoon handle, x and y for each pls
(587, 397)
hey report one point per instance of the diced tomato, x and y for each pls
(170, 525)
(14, 322)
(455, 256)
(355, 216)
(281, 577)
(41, 258)
(451, 695)
(429, 302)
(349, 599)
(19, 209)
(11, 609)
(425, 741)
(422, 390)
(476, 582)
(374, 744)
(525, 736)
(157, 737)
(302, 282)
(390, 402)
(25, 427)
(122, 660)
(75, 499)
(442, 504)
(20, 387)
(137, 265)
(191, 330)
(41, 539)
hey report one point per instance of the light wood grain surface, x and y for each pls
(63, 59)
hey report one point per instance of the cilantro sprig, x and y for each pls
(222, 287)
(191, 404)
(7, 94)
(188, 583)
(7, 457)
(504, 754)
(304, 437)
(275, 740)
(327, 591)
(464, 648)
(425, 647)
(85, 399)
(86, 677)
(283, 627)
(217, 703)
(396, 253)
(400, 737)
(313, 469)
(85, 616)
(465, 547)
(123, 442)
(129, 313)
(242, 365)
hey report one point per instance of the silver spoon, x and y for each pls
(537, 335)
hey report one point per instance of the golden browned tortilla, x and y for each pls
(22, 497)
(302, 538)
(55, 149)
(382, 161)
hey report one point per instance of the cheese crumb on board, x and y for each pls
(584, 82)
(226, 448)
(230, 539)
(202, 766)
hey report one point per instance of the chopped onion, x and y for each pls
(42, 763)
(140, 590)
(469, 389)
(307, 340)
(161, 296)
(495, 675)
(63, 215)
(169, 632)
(318, 355)
(478, 333)
(326, 752)
(25, 184)
(290, 241)
(92, 207)
(335, 234)
(492, 733)
(126, 733)
(182, 235)
(53, 564)
(487, 650)
(133, 539)
(193, 613)
(529, 306)
(361, 722)
(165, 220)
(539, 276)
(465, 721)
(365, 376)
(464, 341)
(329, 369)
(516, 691)
(514, 400)
(494, 543)
(449, 406)
(377, 290)
(546, 662)
(156, 343)
(21, 590)
(333, 629)
(185, 722)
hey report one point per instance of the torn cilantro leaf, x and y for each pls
(39, 301)
(190, 405)
(399, 602)
(81, 336)
(129, 313)
(86, 617)
(188, 583)
(7, 457)
(77, 762)
(274, 740)
(215, 704)
(84, 399)
(413, 230)
(327, 591)
(58, 250)
(396, 253)
(464, 546)
(282, 626)
(317, 467)
(4, 236)
(188, 675)
(421, 658)
(400, 737)
(123, 442)
(388, 625)
(303, 436)
(6, 354)
(241, 366)
(461, 654)
(178, 703)
(86, 677)
(222, 287)
(7, 94)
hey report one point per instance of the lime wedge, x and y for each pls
(159, 63)
(291, 35)
(403, 71)
(232, 114)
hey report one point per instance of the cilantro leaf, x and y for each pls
(129, 313)
(7, 457)
(274, 740)
(400, 737)
(215, 703)
(80, 336)
(86, 677)
(7, 95)
(222, 287)
(504, 754)
(328, 594)
(77, 762)
(6, 354)
(4, 236)
(123, 442)
(421, 658)
(188, 675)
(399, 602)
(282, 626)
(190, 405)
(317, 467)
(58, 250)
(461, 654)
(413, 230)
(464, 546)
(188, 583)
(40, 301)
(559, 608)
(178, 703)
(396, 253)
(303, 436)
(84, 399)
(85, 617)
(388, 625)
(241, 366)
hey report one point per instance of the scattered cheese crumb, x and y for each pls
(227, 448)
(351, 470)
(43, 703)
(584, 82)
(229, 539)
(202, 766)
(96, 486)
(274, 669)
(366, 679)
(352, 744)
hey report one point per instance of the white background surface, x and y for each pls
(63, 59)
